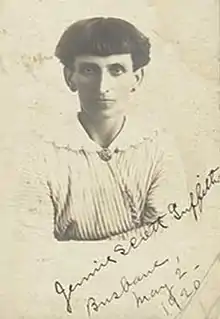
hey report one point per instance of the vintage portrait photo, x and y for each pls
(110, 159)
(121, 173)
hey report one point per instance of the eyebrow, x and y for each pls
(110, 65)
(88, 64)
(117, 64)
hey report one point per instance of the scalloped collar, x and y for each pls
(137, 128)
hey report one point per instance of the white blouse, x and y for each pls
(107, 193)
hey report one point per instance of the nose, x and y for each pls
(105, 82)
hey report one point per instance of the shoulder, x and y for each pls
(53, 162)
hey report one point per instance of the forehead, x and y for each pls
(123, 59)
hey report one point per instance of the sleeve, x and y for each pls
(168, 181)
(57, 180)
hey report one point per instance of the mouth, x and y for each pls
(106, 100)
(105, 103)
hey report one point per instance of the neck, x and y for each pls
(102, 130)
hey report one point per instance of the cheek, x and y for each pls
(86, 86)
(125, 82)
(123, 88)
(83, 81)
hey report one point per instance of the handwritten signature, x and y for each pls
(126, 286)
(195, 207)
(196, 199)
(174, 298)
(61, 291)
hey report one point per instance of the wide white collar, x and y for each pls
(136, 129)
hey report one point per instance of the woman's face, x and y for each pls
(104, 83)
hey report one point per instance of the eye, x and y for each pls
(117, 70)
(87, 71)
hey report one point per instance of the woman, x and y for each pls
(120, 173)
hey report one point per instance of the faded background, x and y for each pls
(181, 87)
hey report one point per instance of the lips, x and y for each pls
(106, 100)
(105, 103)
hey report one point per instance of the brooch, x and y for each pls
(105, 154)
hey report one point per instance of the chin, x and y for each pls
(110, 114)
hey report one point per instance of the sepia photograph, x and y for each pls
(121, 173)
(110, 159)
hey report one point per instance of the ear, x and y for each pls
(68, 75)
(139, 76)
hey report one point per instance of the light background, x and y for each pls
(181, 87)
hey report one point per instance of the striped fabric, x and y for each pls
(94, 198)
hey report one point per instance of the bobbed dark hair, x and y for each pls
(103, 36)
